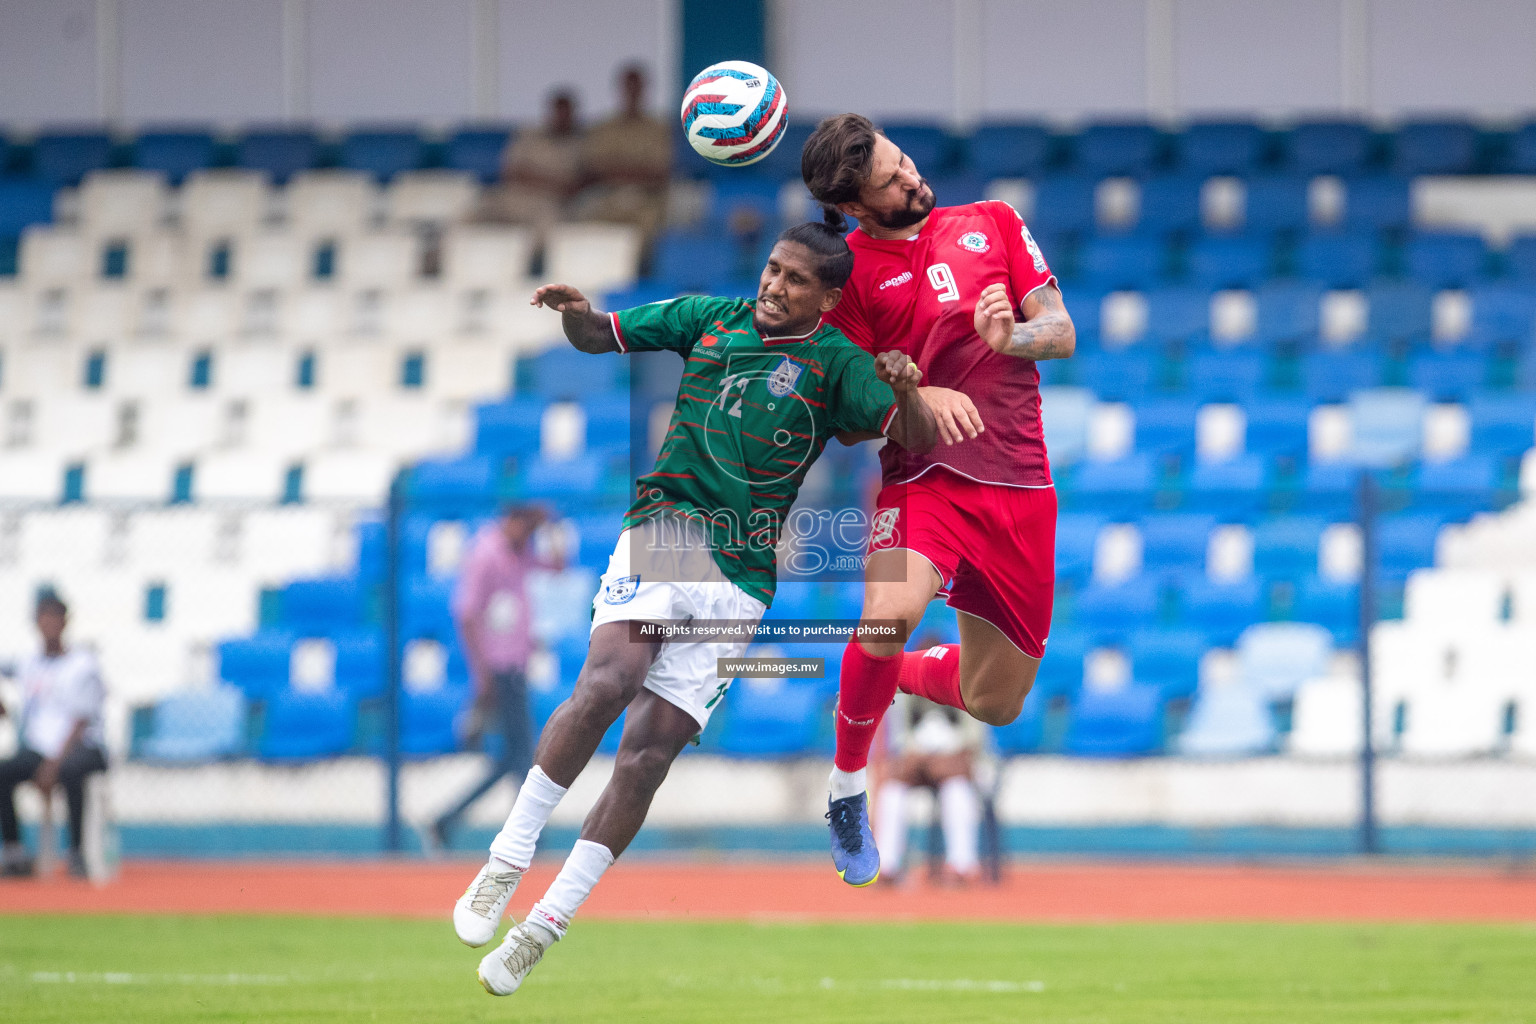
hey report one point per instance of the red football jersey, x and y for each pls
(919, 295)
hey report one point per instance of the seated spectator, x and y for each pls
(934, 747)
(540, 170)
(59, 735)
(626, 162)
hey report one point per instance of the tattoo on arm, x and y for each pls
(1049, 334)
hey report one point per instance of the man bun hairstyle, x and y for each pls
(836, 159)
(834, 260)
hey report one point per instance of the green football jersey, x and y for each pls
(752, 415)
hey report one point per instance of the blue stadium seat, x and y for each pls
(611, 423)
(1503, 312)
(1116, 487)
(1277, 426)
(1406, 541)
(1333, 376)
(958, 189)
(1175, 542)
(1233, 485)
(1522, 151)
(427, 720)
(360, 662)
(1387, 425)
(1287, 546)
(1127, 722)
(564, 373)
(1134, 263)
(1339, 259)
(1435, 147)
(691, 261)
(372, 539)
(282, 153)
(1170, 202)
(23, 203)
(1229, 722)
(468, 476)
(1076, 534)
(1399, 309)
(1328, 147)
(1178, 313)
(1117, 148)
(1009, 150)
(63, 158)
(1445, 259)
(1117, 608)
(1275, 658)
(1067, 415)
(323, 604)
(198, 725)
(1287, 310)
(1168, 659)
(1023, 734)
(1521, 258)
(1061, 670)
(257, 664)
(1329, 486)
(1242, 261)
(1331, 604)
(1225, 376)
(426, 609)
(930, 147)
(383, 154)
(745, 194)
(1221, 610)
(307, 726)
(1502, 424)
(1378, 203)
(541, 477)
(174, 154)
(1457, 487)
(1276, 202)
(1166, 426)
(1220, 147)
(1064, 203)
(784, 162)
(1117, 376)
(771, 717)
(477, 150)
(1448, 376)
(508, 427)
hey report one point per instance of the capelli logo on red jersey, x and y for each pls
(901, 278)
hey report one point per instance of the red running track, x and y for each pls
(1046, 891)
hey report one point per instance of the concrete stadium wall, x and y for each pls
(235, 62)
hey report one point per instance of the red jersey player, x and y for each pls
(965, 292)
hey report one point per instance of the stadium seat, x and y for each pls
(930, 147)
(1066, 413)
(307, 726)
(508, 428)
(1377, 203)
(1169, 203)
(1445, 259)
(1133, 263)
(24, 203)
(1126, 148)
(174, 154)
(1221, 610)
(1502, 424)
(257, 664)
(1435, 147)
(282, 154)
(477, 150)
(360, 663)
(1287, 310)
(1326, 717)
(1286, 546)
(542, 477)
(1460, 601)
(427, 720)
(382, 154)
(1232, 485)
(1275, 202)
(1338, 259)
(1024, 734)
(1008, 150)
(1457, 487)
(1115, 487)
(1333, 605)
(1168, 659)
(1230, 721)
(1406, 541)
(473, 476)
(1502, 312)
(1226, 376)
(1117, 608)
(1448, 376)
(1521, 258)
(1242, 261)
(1386, 425)
(1166, 426)
(1219, 147)
(1328, 147)
(1127, 722)
(317, 606)
(1328, 377)
(1454, 720)
(199, 725)
(1275, 658)
(771, 717)
(1064, 203)
(1399, 309)
(1076, 535)
(426, 609)
(1061, 670)
(62, 159)
(1177, 313)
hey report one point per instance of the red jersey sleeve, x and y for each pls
(850, 316)
(1027, 269)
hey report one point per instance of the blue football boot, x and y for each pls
(853, 844)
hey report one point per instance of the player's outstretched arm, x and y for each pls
(1046, 333)
(588, 329)
(914, 426)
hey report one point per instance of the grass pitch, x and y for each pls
(171, 969)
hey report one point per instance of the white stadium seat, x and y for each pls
(1406, 658)
(272, 259)
(224, 202)
(241, 475)
(178, 538)
(1325, 718)
(75, 422)
(593, 257)
(291, 540)
(131, 476)
(291, 424)
(1455, 720)
(355, 475)
(63, 538)
(437, 197)
(1445, 598)
(53, 257)
(469, 370)
(329, 203)
(385, 260)
(31, 475)
(119, 202)
(485, 256)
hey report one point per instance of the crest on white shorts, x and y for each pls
(883, 528)
(622, 590)
(784, 377)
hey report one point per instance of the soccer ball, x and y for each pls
(734, 113)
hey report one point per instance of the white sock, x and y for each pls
(583, 869)
(960, 815)
(513, 845)
(845, 784)
(891, 823)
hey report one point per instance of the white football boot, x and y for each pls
(477, 915)
(504, 968)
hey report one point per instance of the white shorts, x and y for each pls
(663, 571)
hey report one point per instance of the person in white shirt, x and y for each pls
(59, 734)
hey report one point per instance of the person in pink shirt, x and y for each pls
(495, 622)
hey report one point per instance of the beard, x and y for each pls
(918, 207)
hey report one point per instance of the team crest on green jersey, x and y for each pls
(784, 377)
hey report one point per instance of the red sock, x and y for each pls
(867, 687)
(933, 674)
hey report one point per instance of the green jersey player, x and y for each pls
(765, 385)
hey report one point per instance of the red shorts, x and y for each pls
(995, 547)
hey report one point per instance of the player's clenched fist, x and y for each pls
(561, 297)
(897, 370)
(994, 317)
